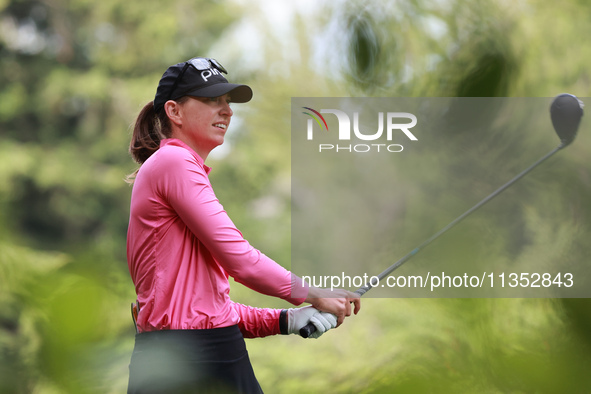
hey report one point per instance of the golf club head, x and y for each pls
(566, 112)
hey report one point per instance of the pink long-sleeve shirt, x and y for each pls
(182, 247)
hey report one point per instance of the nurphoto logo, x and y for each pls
(395, 125)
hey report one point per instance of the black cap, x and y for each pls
(207, 81)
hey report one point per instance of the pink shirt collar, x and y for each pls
(177, 142)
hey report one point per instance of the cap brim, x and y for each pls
(238, 93)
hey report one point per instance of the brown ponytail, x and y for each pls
(149, 129)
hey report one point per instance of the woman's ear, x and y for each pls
(173, 111)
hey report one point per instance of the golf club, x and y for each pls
(566, 112)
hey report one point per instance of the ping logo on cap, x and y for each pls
(206, 74)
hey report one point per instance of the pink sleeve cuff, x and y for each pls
(257, 322)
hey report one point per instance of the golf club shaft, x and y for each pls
(307, 330)
(386, 272)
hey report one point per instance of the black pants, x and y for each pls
(191, 361)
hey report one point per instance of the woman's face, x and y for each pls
(204, 122)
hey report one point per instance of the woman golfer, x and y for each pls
(182, 247)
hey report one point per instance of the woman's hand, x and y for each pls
(338, 302)
(297, 318)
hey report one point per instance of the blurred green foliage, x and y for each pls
(74, 74)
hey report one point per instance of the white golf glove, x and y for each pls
(299, 317)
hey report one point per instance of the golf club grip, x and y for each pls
(310, 328)
(307, 330)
